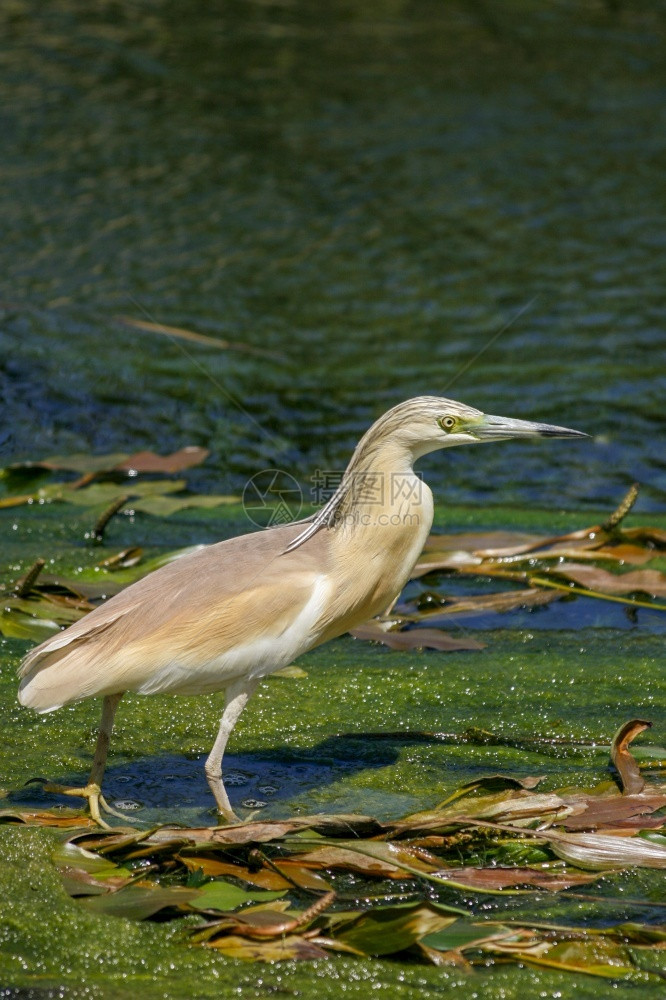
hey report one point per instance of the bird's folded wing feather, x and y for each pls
(227, 597)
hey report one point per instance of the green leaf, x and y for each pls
(649, 755)
(139, 901)
(72, 463)
(17, 625)
(71, 856)
(290, 672)
(291, 946)
(123, 575)
(105, 493)
(388, 929)
(460, 934)
(219, 895)
(161, 506)
(594, 956)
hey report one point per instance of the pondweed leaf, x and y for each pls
(389, 929)
(219, 895)
(139, 901)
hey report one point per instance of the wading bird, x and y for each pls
(269, 596)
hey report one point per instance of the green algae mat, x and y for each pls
(455, 798)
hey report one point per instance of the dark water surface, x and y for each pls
(371, 192)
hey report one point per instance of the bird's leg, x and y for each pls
(237, 696)
(92, 791)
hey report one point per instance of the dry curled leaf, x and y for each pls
(630, 775)
(597, 852)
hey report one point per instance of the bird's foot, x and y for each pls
(228, 816)
(92, 793)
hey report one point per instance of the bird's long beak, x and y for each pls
(491, 428)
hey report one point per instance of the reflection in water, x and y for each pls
(370, 191)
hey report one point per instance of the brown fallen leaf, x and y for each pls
(175, 839)
(632, 554)
(472, 541)
(265, 878)
(148, 461)
(299, 875)
(263, 922)
(626, 812)
(624, 553)
(627, 768)
(386, 860)
(647, 536)
(33, 817)
(591, 851)
(648, 581)
(291, 946)
(503, 878)
(516, 806)
(418, 638)
(436, 562)
(140, 461)
(506, 600)
(581, 540)
(599, 852)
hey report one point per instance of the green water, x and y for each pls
(370, 193)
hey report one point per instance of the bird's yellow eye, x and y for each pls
(447, 423)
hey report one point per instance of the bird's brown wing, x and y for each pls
(199, 605)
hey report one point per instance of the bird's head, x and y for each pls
(429, 423)
(413, 429)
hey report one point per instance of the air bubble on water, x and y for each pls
(235, 778)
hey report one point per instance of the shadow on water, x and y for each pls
(283, 783)
(173, 788)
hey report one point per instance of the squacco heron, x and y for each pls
(229, 614)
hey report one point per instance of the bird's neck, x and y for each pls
(377, 524)
(379, 489)
(379, 483)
